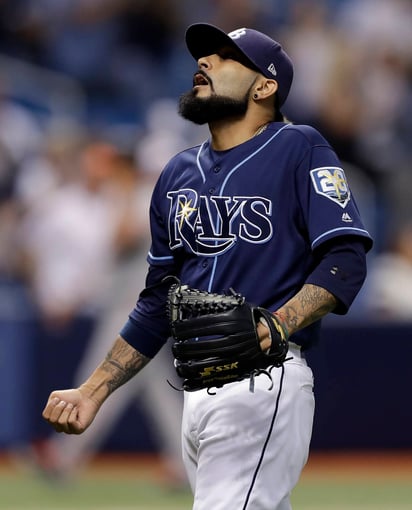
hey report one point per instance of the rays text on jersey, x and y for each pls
(210, 225)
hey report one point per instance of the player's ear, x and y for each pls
(264, 89)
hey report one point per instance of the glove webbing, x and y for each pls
(195, 303)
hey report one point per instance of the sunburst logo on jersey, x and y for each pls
(185, 211)
(331, 183)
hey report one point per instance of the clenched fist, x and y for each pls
(70, 411)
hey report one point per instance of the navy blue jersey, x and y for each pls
(250, 217)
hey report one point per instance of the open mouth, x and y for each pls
(199, 80)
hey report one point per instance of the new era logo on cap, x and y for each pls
(263, 52)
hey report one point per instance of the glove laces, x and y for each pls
(264, 371)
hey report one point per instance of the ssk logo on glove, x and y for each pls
(219, 368)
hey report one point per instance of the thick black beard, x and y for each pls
(211, 109)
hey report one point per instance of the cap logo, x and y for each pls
(237, 34)
(272, 69)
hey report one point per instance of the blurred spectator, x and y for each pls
(46, 170)
(389, 285)
(69, 238)
(377, 25)
(21, 133)
(314, 45)
(69, 251)
(21, 137)
(8, 213)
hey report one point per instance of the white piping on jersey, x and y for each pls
(167, 257)
(351, 229)
(199, 166)
(212, 275)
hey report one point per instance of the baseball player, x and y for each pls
(263, 207)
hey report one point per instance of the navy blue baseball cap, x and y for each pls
(264, 54)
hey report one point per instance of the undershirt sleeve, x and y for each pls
(340, 269)
(147, 328)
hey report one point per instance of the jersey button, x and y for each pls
(205, 263)
(216, 169)
(211, 191)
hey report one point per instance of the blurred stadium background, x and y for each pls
(88, 118)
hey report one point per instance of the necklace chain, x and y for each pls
(260, 130)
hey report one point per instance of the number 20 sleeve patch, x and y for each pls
(331, 183)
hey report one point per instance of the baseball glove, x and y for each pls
(215, 338)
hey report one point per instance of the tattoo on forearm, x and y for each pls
(123, 362)
(310, 304)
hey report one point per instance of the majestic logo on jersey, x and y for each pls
(210, 225)
(331, 183)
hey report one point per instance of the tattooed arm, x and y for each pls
(310, 304)
(122, 362)
(72, 411)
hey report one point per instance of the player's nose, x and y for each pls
(205, 62)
